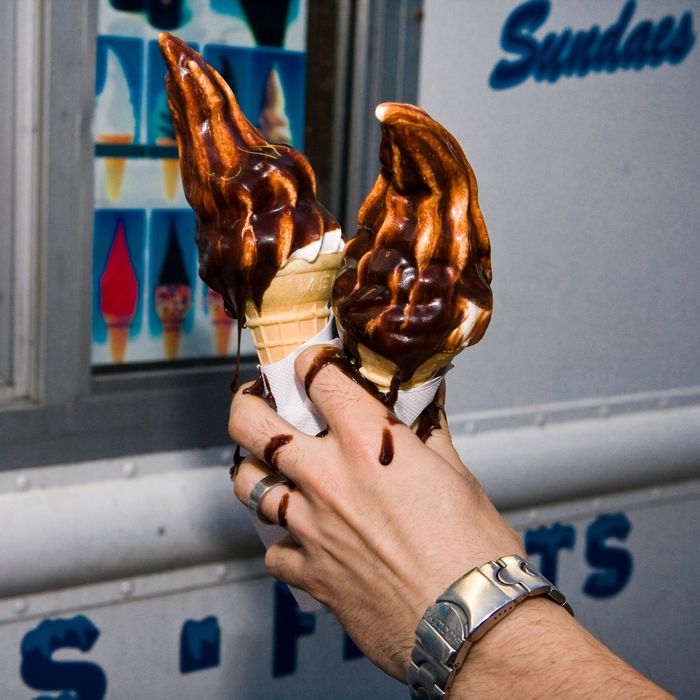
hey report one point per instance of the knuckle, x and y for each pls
(272, 562)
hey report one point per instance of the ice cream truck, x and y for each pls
(127, 568)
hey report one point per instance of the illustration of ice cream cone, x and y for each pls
(114, 123)
(222, 322)
(414, 287)
(274, 123)
(265, 242)
(173, 296)
(118, 295)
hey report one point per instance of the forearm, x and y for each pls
(541, 652)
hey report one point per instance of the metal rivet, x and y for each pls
(532, 515)
(22, 482)
(226, 456)
(470, 427)
(129, 468)
(20, 605)
(220, 572)
(540, 419)
(126, 588)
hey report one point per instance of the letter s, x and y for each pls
(615, 561)
(41, 672)
(515, 38)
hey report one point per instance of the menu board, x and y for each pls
(148, 304)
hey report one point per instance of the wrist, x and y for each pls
(465, 612)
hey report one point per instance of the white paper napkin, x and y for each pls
(294, 406)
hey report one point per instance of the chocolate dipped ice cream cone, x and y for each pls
(414, 285)
(265, 242)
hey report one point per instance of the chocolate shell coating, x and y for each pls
(415, 281)
(255, 201)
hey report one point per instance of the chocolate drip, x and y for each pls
(237, 461)
(282, 510)
(255, 202)
(391, 419)
(386, 452)
(276, 441)
(332, 355)
(415, 280)
(261, 388)
(429, 420)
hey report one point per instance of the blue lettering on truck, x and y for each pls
(622, 46)
(615, 563)
(79, 680)
(547, 541)
(200, 644)
(290, 623)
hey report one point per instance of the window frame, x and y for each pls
(64, 413)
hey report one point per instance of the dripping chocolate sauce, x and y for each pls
(332, 355)
(429, 420)
(276, 441)
(386, 452)
(261, 389)
(237, 459)
(282, 510)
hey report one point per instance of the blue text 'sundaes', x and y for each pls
(627, 44)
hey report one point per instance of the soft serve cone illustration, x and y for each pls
(115, 123)
(414, 286)
(265, 242)
(173, 296)
(274, 122)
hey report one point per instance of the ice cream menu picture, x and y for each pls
(149, 306)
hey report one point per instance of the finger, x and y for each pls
(264, 433)
(336, 395)
(286, 561)
(282, 505)
(432, 428)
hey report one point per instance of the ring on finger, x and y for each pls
(260, 491)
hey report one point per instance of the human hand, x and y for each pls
(376, 543)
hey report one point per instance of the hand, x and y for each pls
(375, 543)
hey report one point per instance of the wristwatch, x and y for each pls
(468, 609)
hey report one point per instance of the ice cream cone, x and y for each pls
(171, 169)
(295, 307)
(118, 334)
(381, 371)
(114, 167)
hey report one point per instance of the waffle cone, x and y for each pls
(114, 167)
(171, 170)
(294, 307)
(171, 340)
(381, 371)
(118, 335)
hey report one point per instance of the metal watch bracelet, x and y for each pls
(468, 609)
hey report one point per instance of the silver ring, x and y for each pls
(260, 490)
